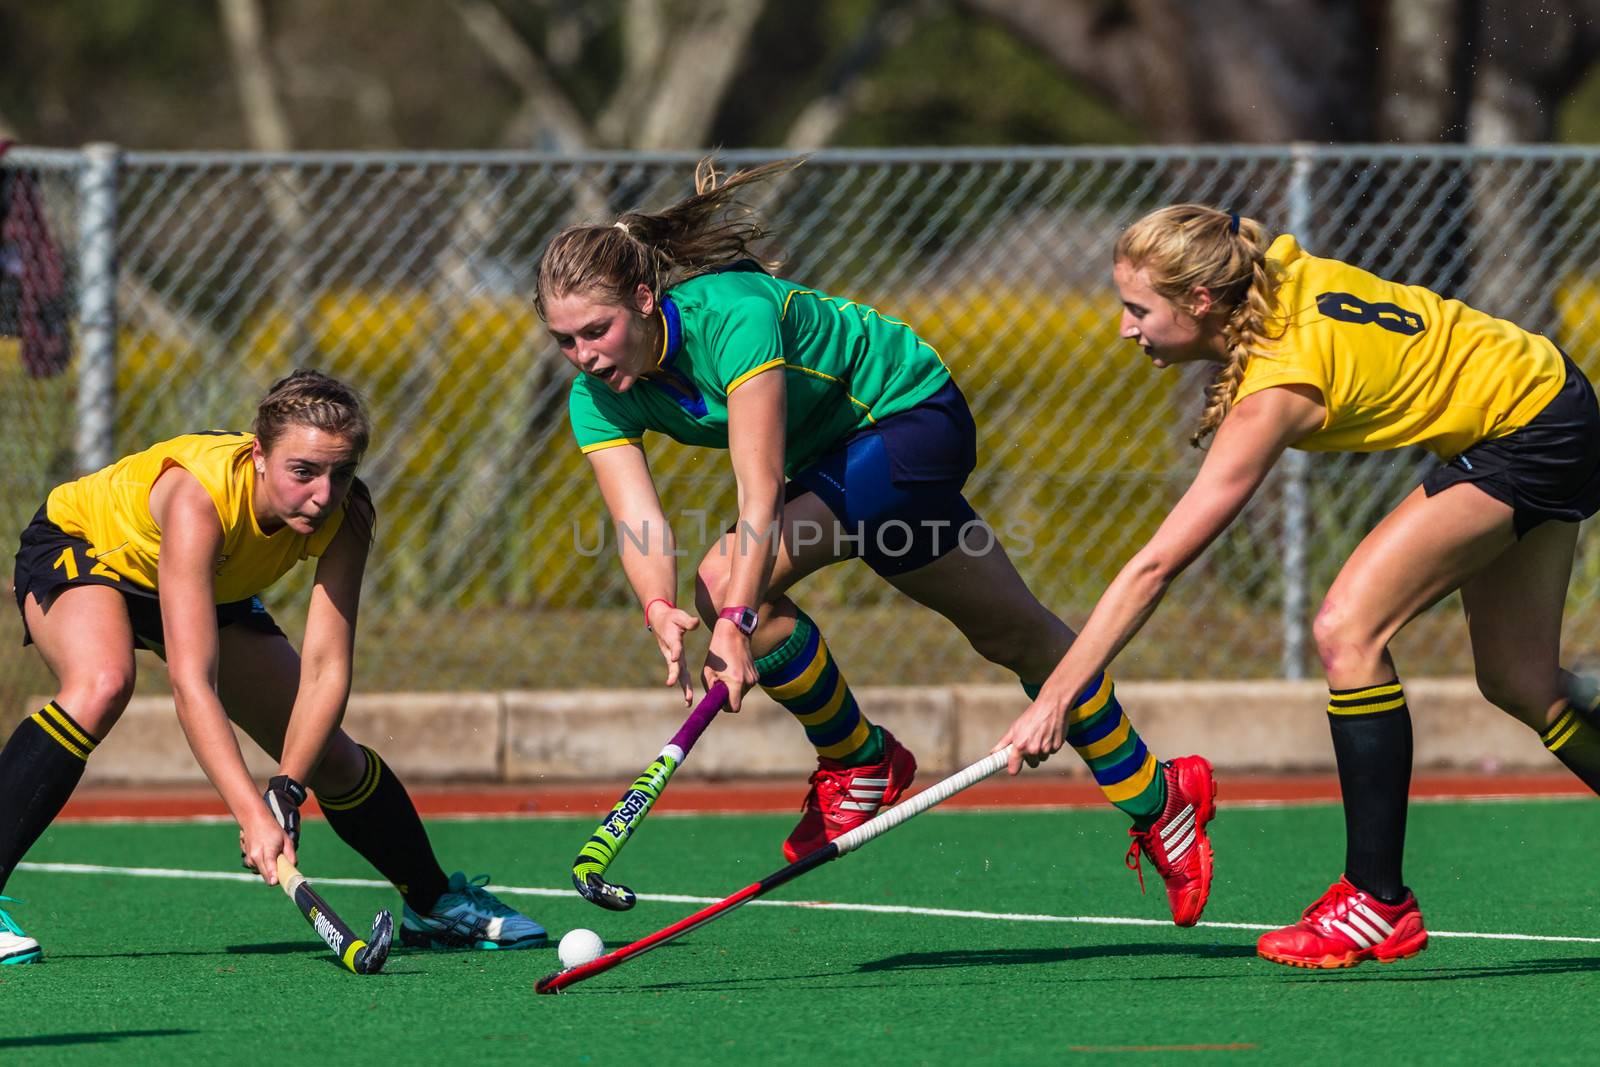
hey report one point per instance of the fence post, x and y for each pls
(1296, 502)
(97, 307)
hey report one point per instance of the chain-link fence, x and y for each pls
(197, 279)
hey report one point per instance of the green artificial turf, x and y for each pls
(148, 969)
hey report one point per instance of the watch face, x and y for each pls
(745, 619)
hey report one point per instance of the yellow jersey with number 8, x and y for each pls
(1397, 364)
(110, 509)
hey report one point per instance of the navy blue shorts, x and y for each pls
(895, 486)
(50, 560)
(1549, 470)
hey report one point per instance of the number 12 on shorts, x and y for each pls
(68, 561)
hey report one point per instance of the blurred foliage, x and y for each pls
(1579, 118)
(157, 75)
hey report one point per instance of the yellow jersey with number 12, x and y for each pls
(110, 509)
(1397, 364)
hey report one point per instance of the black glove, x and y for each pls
(284, 796)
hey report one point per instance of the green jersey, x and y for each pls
(845, 367)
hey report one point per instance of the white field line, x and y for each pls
(999, 809)
(815, 905)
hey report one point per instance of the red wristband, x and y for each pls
(652, 603)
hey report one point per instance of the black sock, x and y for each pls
(1574, 741)
(1372, 744)
(39, 768)
(378, 820)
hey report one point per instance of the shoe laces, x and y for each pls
(484, 900)
(1334, 903)
(1141, 839)
(825, 783)
(5, 919)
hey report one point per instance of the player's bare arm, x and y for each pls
(329, 648)
(1248, 443)
(191, 539)
(755, 447)
(623, 475)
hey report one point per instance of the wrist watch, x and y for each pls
(740, 616)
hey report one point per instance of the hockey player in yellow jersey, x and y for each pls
(1316, 354)
(167, 549)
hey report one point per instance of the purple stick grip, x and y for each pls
(700, 718)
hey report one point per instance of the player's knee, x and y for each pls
(1006, 642)
(1525, 698)
(97, 699)
(341, 769)
(710, 586)
(1345, 642)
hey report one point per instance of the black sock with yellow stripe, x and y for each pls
(378, 820)
(1574, 741)
(1372, 744)
(39, 768)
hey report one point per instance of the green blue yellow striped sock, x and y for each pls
(1127, 772)
(801, 675)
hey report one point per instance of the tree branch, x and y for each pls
(546, 117)
(695, 75)
(264, 115)
(1184, 72)
(892, 22)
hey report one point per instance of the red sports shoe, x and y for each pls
(1177, 843)
(843, 798)
(1344, 927)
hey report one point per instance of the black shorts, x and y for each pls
(895, 487)
(1547, 470)
(50, 560)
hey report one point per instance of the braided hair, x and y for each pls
(311, 398)
(1188, 246)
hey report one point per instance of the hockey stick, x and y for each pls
(362, 957)
(589, 869)
(848, 842)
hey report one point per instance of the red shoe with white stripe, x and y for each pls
(843, 798)
(1177, 842)
(1346, 926)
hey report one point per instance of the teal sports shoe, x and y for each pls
(469, 916)
(16, 946)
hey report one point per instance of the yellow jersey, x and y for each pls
(1397, 364)
(110, 509)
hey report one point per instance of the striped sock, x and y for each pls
(378, 820)
(1574, 741)
(1127, 772)
(39, 768)
(801, 675)
(1371, 729)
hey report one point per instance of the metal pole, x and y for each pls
(97, 307)
(1296, 464)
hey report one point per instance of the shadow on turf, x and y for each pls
(929, 961)
(274, 948)
(1412, 973)
(922, 961)
(101, 1037)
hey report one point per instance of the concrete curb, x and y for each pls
(555, 735)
